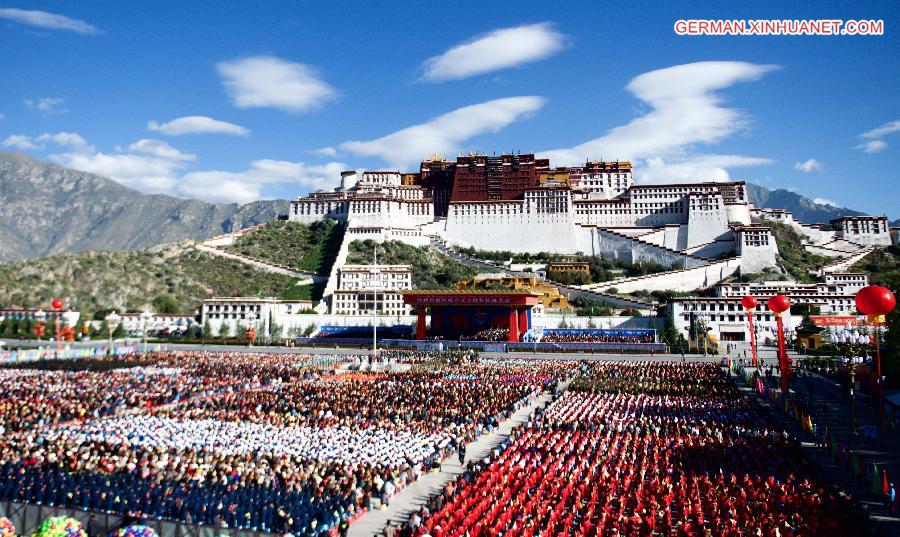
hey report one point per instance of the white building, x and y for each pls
(868, 230)
(378, 200)
(133, 324)
(726, 318)
(67, 317)
(835, 296)
(264, 314)
(367, 289)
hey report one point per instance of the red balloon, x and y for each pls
(779, 303)
(875, 300)
(57, 304)
(749, 302)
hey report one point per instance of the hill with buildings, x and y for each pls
(166, 277)
(48, 209)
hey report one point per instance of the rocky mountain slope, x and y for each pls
(47, 209)
(805, 210)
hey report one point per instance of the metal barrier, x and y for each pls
(33, 355)
(27, 517)
(494, 346)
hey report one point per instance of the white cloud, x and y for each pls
(158, 148)
(875, 144)
(496, 50)
(269, 82)
(685, 110)
(693, 168)
(825, 201)
(147, 165)
(245, 186)
(872, 146)
(146, 173)
(2, 115)
(46, 105)
(327, 151)
(882, 131)
(197, 125)
(19, 141)
(71, 139)
(811, 165)
(445, 133)
(155, 167)
(50, 21)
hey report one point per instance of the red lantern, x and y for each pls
(57, 304)
(779, 303)
(749, 302)
(39, 330)
(875, 300)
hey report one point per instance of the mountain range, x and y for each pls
(47, 209)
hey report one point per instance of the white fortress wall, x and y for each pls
(507, 226)
(606, 243)
(706, 219)
(699, 277)
(715, 249)
(738, 213)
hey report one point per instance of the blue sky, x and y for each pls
(272, 99)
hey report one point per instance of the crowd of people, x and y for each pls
(269, 442)
(487, 334)
(638, 448)
(593, 336)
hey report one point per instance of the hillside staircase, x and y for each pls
(215, 246)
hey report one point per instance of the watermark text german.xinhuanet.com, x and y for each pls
(750, 27)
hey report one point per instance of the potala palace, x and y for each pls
(518, 203)
(705, 232)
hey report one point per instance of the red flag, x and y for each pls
(885, 487)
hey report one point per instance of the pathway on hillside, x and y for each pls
(305, 277)
(414, 496)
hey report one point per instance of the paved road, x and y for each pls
(413, 497)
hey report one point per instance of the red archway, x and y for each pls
(454, 311)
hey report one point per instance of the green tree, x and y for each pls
(241, 332)
(119, 332)
(207, 332)
(276, 331)
(166, 303)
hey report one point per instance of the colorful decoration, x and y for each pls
(780, 304)
(134, 531)
(750, 303)
(60, 526)
(876, 301)
(57, 303)
(7, 529)
(251, 334)
(67, 334)
(39, 330)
